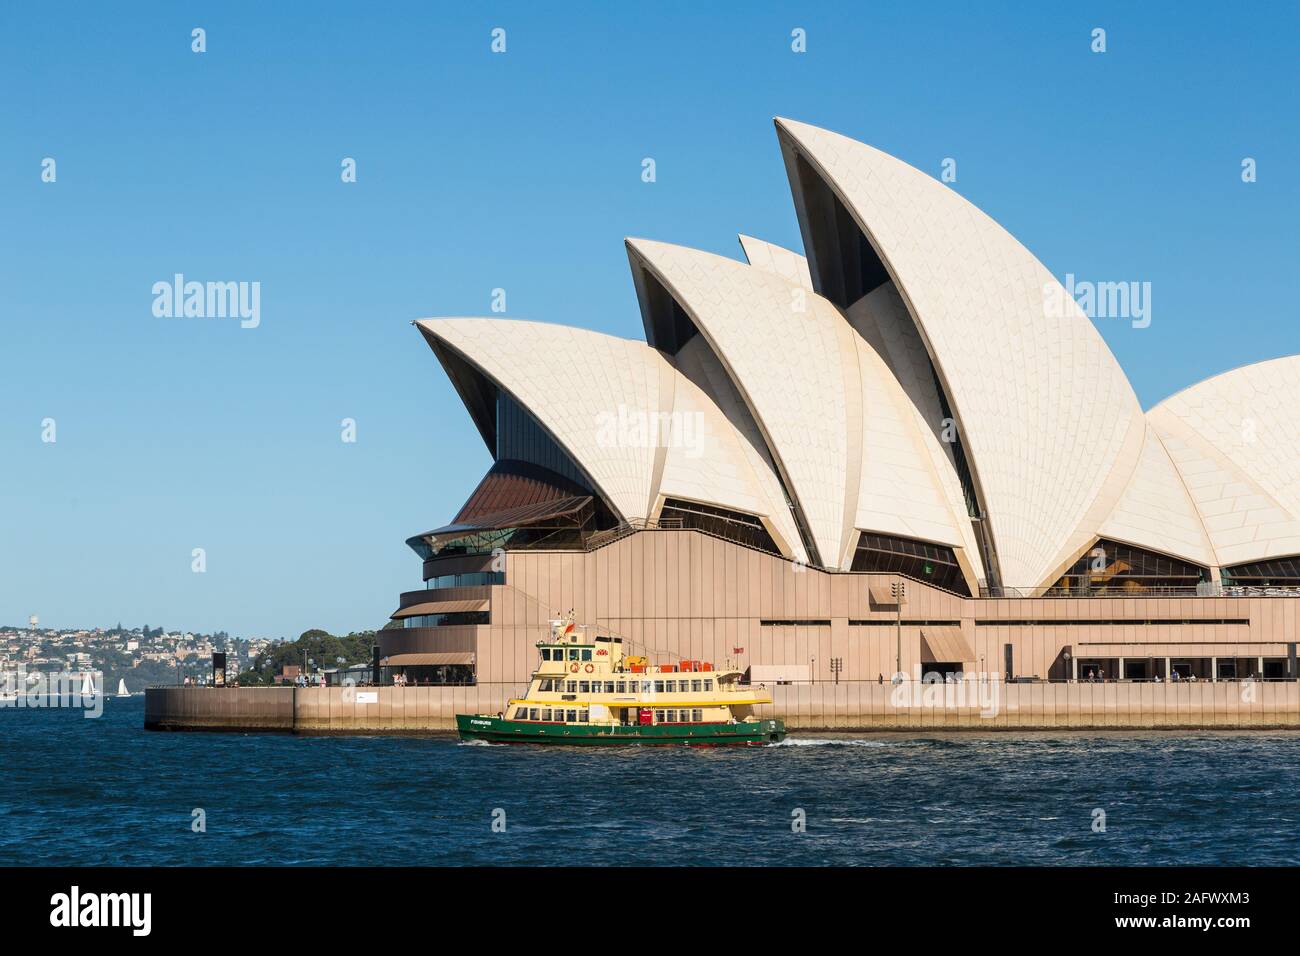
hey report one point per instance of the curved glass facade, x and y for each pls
(1276, 573)
(448, 619)
(1109, 567)
(521, 438)
(468, 579)
(732, 525)
(933, 563)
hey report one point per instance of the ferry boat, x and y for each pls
(588, 692)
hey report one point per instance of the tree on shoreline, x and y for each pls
(318, 645)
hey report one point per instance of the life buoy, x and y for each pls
(573, 668)
(590, 668)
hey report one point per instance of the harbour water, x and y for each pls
(106, 792)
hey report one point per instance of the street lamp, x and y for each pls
(898, 590)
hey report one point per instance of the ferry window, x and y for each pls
(571, 686)
(582, 716)
(659, 687)
(583, 687)
(672, 716)
(609, 687)
(586, 653)
(534, 713)
(646, 687)
(697, 685)
(708, 685)
(672, 686)
(572, 716)
(546, 715)
(622, 687)
(697, 716)
(521, 713)
(573, 653)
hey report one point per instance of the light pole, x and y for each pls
(898, 590)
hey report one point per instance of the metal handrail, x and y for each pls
(1204, 590)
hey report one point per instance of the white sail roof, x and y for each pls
(1234, 441)
(827, 417)
(772, 258)
(881, 319)
(909, 485)
(639, 428)
(1049, 423)
(790, 368)
(1156, 512)
(835, 418)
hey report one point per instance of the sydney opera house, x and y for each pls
(889, 454)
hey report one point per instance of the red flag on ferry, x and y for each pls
(569, 628)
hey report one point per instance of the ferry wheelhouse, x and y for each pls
(588, 691)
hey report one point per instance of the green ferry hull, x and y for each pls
(499, 731)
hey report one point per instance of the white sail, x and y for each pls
(121, 688)
(87, 686)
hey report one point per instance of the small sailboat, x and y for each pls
(87, 686)
(121, 688)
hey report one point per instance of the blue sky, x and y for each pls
(522, 171)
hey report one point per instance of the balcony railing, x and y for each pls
(1204, 589)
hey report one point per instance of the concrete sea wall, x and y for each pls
(1042, 706)
(848, 706)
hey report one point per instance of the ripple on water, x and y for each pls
(77, 791)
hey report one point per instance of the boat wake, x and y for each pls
(824, 742)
